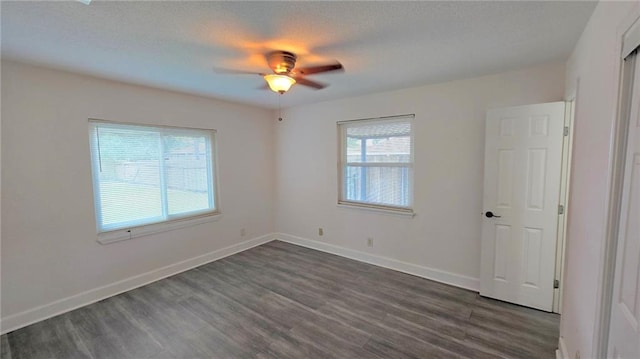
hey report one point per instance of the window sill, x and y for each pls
(381, 210)
(141, 231)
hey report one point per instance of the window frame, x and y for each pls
(342, 127)
(165, 222)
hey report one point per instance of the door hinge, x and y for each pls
(556, 284)
(560, 209)
(566, 131)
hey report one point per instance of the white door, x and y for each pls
(522, 164)
(624, 331)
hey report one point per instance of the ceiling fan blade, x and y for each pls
(320, 68)
(304, 82)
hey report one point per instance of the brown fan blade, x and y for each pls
(320, 68)
(221, 70)
(304, 82)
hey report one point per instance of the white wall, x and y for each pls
(449, 146)
(49, 248)
(594, 65)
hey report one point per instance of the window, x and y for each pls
(376, 163)
(146, 174)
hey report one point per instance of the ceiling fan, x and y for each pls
(286, 74)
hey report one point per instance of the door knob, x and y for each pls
(490, 214)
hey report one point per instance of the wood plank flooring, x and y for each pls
(279, 300)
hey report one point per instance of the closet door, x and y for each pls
(624, 329)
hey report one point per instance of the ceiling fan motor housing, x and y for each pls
(282, 62)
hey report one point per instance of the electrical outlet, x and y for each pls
(242, 232)
(320, 232)
(370, 242)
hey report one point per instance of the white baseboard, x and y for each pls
(561, 352)
(414, 269)
(30, 316)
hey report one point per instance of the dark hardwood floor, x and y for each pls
(284, 301)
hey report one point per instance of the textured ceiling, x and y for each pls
(383, 45)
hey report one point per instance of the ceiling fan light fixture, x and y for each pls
(279, 83)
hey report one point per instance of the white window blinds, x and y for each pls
(377, 162)
(147, 174)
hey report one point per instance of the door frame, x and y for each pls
(565, 180)
(613, 201)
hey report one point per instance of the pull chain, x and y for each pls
(279, 108)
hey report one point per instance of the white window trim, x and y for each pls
(173, 222)
(145, 230)
(342, 162)
(395, 211)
